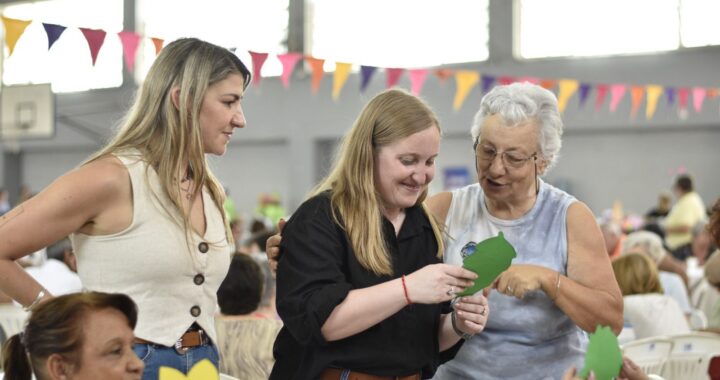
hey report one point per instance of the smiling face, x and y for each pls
(107, 351)
(404, 168)
(501, 182)
(221, 113)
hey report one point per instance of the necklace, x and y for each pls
(188, 177)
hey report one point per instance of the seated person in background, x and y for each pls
(82, 336)
(712, 272)
(248, 325)
(648, 311)
(650, 244)
(700, 247)
(58, 274)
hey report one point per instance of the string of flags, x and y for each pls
(466, 80)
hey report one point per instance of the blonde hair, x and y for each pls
(167, 136)
(389, 117)
(636, 273)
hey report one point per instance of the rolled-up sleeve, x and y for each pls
(311, 281)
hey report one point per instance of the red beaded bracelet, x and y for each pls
(407, 297)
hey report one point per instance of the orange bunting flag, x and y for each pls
(288, 61)
(443, 74)
(712, 92)
(258, 60)
(548, 84)
(342, 70)
(95, 39)
(130, 42)
(465, 80)
(617, 91)
(653, 94)
(392, 76)
(417, 80)
(316, 66)
(698, 98)
(13, 30)
(636, 96)
(158, 42)
(567, 88)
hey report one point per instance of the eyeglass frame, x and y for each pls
(534, 156)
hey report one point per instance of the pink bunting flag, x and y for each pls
(683, 93)
(13, 30)
(392, 76)
(636, 95)
(316, 65)
(158, 42)
(258, 60)
(617, 91)
(417, 80)
(288, 61)
(698, 98)
(533, 80)
(505, 80)
(95, 39)
(602, 90)
(130, 42)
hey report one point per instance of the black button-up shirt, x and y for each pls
(317, 269)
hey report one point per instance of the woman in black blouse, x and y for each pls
(361, 287)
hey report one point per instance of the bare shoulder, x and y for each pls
(580, 215)
(583, 234)
(439, 204)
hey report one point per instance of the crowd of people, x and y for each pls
(363, 281)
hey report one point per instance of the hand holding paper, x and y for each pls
(490, 258)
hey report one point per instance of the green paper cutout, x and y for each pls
(603, 355)
(491, 257)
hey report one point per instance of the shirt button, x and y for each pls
(198, 279)
(203, 247)
(195, 311)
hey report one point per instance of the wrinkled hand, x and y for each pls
(438, 283)
(571, 374)
(631, 371)
(472, 313)
(272, 247)
(522, 278)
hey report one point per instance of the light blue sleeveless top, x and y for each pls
(524, 339)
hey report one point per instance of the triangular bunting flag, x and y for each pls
(443, 74)
(95, 39)
(417, 80)
(13, 30)
(567, 88)
(636, 96)
(670, 94)
(288, 61)
(486, 83)
(713, 93)
(316, 66)
(392, 76)
(366, 73)
(533, 80)
(342, 70)
(653, 94)
(617, 91)
(584, 91)
(53, 33)
(466, 80)
(130, 42)
(602, 90)
(158, 42)
(698, 98)
(682, 94)
(505, 80)
(258, 60)
(548, 84)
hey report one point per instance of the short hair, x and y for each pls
(650, 242)
(684, 182)
(56, 327)
(636, 274)
(242, 289)
(519, 102)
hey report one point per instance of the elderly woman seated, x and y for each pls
(77, 336)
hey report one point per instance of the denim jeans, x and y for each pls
(155, 356)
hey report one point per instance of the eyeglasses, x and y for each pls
(514, 160)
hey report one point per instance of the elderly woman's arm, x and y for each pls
(589, 295)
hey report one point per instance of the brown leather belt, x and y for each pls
(337, 374)
(188, 340)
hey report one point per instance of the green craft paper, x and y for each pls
(491, 257)
(603, 355)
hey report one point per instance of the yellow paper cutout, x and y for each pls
(13, 30)
(202, 370)
(636, 93)
(653, 94)
(567, 89)
(466, 80)
(342, 70)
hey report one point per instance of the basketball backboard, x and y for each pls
(27, 112)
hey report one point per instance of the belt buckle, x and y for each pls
(179, 347)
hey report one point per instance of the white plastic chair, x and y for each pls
(12, 319)
(698, 320)
(649, 354)
(224, 376)
(690, 356)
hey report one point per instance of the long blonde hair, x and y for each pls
(168, 137)
(390, 116)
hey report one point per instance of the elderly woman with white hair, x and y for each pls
(561, 283)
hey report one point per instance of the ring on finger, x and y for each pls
(484, 311)
(451, 291)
